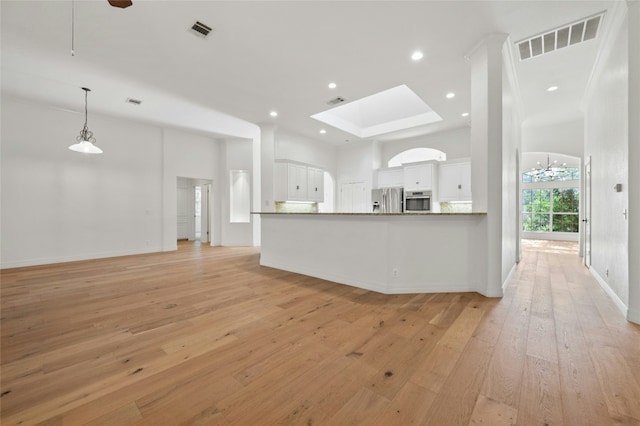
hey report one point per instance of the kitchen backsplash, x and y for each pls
(455, 207)
(284, 207)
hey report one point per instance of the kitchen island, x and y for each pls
(389, 253)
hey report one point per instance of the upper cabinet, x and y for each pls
(390, 178)
(295, 182)
(419, 177)
(455, 182)
(315, 184)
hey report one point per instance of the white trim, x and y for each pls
(506, 282)
(612, 295)
(512, 75)
(77, 258)
(380, 286)
(633, 316)
(552, 236)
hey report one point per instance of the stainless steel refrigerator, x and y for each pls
(387, 200)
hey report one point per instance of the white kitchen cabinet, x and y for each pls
(290, 182)
(391, 178)
(419, 177)
(315, 184)
(455, 182)
(296, 182)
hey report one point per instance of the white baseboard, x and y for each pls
(633, 316)
(75, 258)
(506, 282)
(612, 295)
(379, 286)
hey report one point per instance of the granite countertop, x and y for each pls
(375, 214)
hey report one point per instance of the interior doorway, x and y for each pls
(194, 210)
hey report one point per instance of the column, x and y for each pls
(486, 154)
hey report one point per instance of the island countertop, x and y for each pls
(374, 214)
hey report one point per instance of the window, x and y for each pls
(550, 209)
(565, 209)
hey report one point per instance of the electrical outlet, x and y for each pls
(606, 272)
(395, 272)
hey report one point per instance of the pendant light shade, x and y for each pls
(86, 141)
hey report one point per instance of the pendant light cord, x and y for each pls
(73, 20)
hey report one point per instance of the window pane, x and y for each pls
(558, 222)
(527, 222)
(571, 223)
(541, 222)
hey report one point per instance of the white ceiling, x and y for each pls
(265, 56)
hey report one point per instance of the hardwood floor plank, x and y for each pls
(541, 395)
(205, 335)
(455, 403)
(494, 413)
(621, 391)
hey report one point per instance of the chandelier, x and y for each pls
(85, 141)
(548, 172)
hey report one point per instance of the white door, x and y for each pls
(352, 198)
(204, 213)
(183, 213)
(586, 219)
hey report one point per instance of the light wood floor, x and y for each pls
(207, 336)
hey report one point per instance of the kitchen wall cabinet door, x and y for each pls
(390, 178)
(315, 184)
(290, 182)
(297, 182)
(418, 177)
(455, 182)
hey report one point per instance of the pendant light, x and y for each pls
(548, 172)
(86, 141)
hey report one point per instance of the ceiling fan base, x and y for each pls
(123, 4)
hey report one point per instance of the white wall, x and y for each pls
(290, 146)
(58, 205)
(606, 141)
(191, 156)
(564, 137)
(456, 143)
(238, 155)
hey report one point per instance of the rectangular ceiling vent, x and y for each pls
(335, 101)
(200, 29)
(567, 35)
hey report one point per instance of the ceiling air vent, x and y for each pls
(567, 35)
(201, 29)
(335, 101)
(134, 101)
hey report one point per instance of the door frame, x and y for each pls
(586, 216)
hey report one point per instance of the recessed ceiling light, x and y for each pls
(450, 95)
(273, 114)
(417, 55)
(323, 131)
(332, 85)
(552, 89)
(465, 114)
